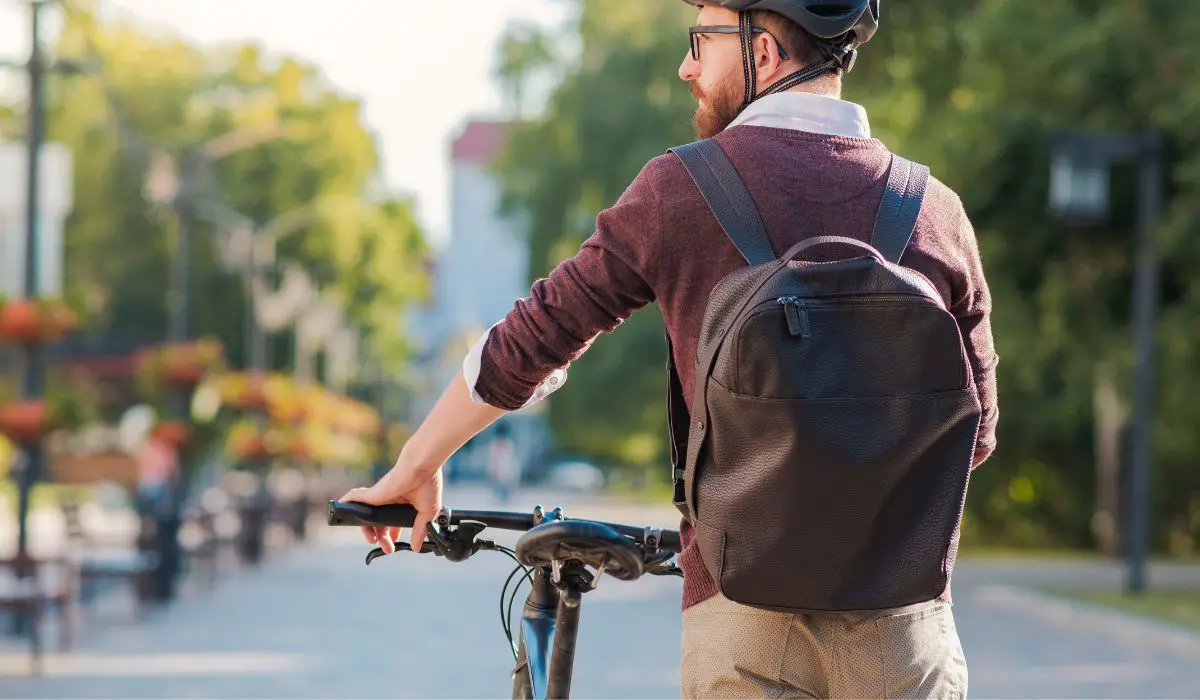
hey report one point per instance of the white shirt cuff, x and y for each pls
(473, 362)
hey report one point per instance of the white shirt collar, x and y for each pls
(804, 111)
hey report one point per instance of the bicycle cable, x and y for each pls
(506, 619)
(512, 598)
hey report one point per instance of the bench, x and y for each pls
(132, 563)
(29, 586)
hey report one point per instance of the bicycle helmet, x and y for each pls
(839, 27)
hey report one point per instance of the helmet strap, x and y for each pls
(839, 58)
(749, 70)
(803, 75)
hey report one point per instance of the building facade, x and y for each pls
(482, 268)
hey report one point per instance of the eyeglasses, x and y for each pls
(695, 32)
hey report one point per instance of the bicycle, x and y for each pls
(554, 554)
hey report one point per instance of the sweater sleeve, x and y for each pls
(972, 307)
(593, 292)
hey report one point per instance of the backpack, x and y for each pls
(825, 467)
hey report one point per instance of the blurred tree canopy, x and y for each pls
(975, 89)
(291, 147)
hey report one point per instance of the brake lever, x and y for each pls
(456, 545)
(426, 548)
(659, 559)
(668, 569)
(442, 540)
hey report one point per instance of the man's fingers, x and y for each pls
(386, 537)
(419, 530)
(359, 495)
(386, 541)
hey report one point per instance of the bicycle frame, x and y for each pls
(549, 626)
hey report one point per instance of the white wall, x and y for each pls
(481, 271)
(485, 264)
(55, 195)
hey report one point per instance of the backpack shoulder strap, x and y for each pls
(898, 210)
(728, 198)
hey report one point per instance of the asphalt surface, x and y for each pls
(314, 622)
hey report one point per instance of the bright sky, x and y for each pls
(421, 68)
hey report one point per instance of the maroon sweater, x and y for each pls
(660, 242)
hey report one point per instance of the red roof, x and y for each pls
(479, 143)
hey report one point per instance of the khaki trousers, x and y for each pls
(735, 651)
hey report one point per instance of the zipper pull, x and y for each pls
(797, 317)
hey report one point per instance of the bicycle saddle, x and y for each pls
(584, 541)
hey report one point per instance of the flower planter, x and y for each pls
(275, 443)
(183, 372)
(33, 322)
(247, 391)
(25, 422)
(87, 468)
(249, 449)
(180, 365)
(298, 451)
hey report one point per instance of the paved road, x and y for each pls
(315, 623)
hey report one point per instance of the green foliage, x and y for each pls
(975, 89)
(282, 142)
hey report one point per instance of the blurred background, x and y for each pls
(265, 233)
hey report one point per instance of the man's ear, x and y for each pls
(768, 60)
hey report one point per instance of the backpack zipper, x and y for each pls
(796, 308)
(797, 317)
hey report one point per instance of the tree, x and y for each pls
(153, 94)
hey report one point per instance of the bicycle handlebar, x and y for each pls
(363, 515)
(346, 513)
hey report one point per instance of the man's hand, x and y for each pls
(403, 484)
(416, 478)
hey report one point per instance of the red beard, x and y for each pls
(717, 108)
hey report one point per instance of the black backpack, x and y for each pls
(826, 464)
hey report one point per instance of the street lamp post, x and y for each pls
(178, 331)
(32, 372)
(37, 68)
(1079, 192)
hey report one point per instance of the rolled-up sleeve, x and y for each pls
(611, 276)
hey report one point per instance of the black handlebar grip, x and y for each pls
(670, 541)
(360, 514)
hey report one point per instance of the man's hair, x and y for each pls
(799, 44)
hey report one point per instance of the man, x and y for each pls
(806, 156)
(158, 468)
(502, 465)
